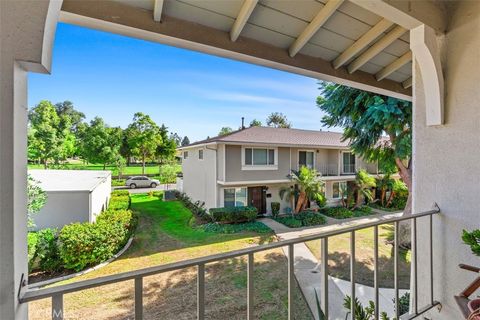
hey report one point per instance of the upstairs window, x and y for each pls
(200, 154)
(348, 162)
(305, 159)
(185, 154)
(259, 157)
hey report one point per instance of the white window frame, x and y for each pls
(203, 154)
(343, 164)
(185, 155)
(252, 166)
(339, 193)
(235, 195)
(305, 150)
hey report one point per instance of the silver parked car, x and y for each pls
(141, 182)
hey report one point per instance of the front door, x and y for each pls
(256, 198)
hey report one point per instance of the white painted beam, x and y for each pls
(376, 48)
(372, 34)
(407, 83)
(157, 10)
(423, 43)
(242, 18)
(326, 12)
(394, 66)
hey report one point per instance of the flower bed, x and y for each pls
(305, 218)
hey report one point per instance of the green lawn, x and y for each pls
(164, 235)
(131, 170)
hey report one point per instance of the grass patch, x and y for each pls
(339, 258)
(165, 235)
(255, 226)
(344, 213)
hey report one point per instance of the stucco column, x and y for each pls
(27, 29)
(446, 162)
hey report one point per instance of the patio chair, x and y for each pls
(470, 308)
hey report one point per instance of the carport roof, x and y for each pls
(69, 180)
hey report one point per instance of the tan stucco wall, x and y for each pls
(234, 172)
(446, 162)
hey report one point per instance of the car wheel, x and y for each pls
(133, 186)
(153, 185)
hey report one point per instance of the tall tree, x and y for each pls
(36, 199)
(45, 136)
(176, 138)
(69, 117)
(309, 185)
(278, 120)
(225, 130)
(255, 123)
(101, 143)
(166, 150)
(366, 117)
(185, 141)
(143, 137)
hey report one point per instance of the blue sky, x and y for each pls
(193, 94)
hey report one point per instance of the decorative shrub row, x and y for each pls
(233, 214)
(303, 219)
(344, 213)
(254, 226)
(79, 245)
(197, 208)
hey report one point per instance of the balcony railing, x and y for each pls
(328, 169)
(56, 293)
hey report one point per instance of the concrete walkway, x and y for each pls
(307, 268)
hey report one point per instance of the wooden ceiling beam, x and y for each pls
(242, 18)
(157, 10)
(394, 66)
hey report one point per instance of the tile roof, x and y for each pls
(280, 136)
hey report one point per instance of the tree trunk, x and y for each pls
(406, 175)
(143, 164)
(45, 165)
(300, 201)
(390, 198)
(382, 196)
(104, 165)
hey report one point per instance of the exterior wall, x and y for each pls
(234, 172)
(200, 176)
(446, 163)
(274, 191)
(63, 208)
(221, 162)
(99, 198)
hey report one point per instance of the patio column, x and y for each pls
(446, 162)
(26, 36)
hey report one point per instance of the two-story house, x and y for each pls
(250, 166)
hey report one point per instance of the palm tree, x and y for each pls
(363, 185)
(384, 183)
(309, 184)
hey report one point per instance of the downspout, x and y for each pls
(216, 174)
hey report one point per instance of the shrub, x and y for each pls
(320, 200)
(119, 202)
(303, 219)
(254, 226)
(85, 244)
(120, 193)
(362, 211)
(118, 182)
(472, 239)
(233, 214)
(338, 212)
(197, 208)
(275, 208)
(158, 194)
(32, 240)
(47, 252)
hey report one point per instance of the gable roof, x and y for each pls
(279, 136)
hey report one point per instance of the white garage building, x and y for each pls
(73, 196)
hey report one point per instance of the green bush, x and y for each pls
(472, 239)
(47, 250)
(120, 193)
(275, 208)
(197, 208)
(158, 194)
(233, 214)
(320, 200)
(254, 226)
(303, 219)
(119, 202)
(338, 212)
(32, 240)
(118, 182)
(85, 244)
(362, 211)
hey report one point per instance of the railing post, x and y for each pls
(395, 268)
(375, 271)
(291, 280)
(431, 260)
(352, 274)
(250, 303)
(201, 292)
(57, 307)
(324, 267)
(415, 265)
(139, 298)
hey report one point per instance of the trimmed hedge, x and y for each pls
(120, 193)
(254, 226)
(305, 218)
(197, 208)
(119, 202)
(344, 213)
(233, 214)
(85, 244)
